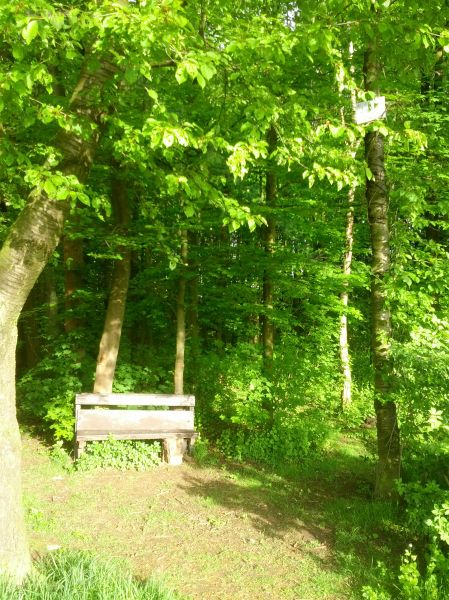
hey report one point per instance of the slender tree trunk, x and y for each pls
(193, 292)
(174, 449)
(29, 351)
(344, 344)
(181, 319)
(112, 330)
(388, 442)
(345, 359)
(269, 246)
(51, 300)
(73, 251)
(25, 252)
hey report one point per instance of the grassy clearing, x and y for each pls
(80, 576)
(221, 530)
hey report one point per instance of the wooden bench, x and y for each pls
(136, 417)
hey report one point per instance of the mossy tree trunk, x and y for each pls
(388, 442)
(24, 254)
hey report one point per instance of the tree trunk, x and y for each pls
(29, 342)
(388, 442)
(112, 330)
(269, 246)
(344, 344)
(25, 252)
(73, 251)
(15, 560)
(345, 360)
(193, 293)
(181, 319)
(51, 301)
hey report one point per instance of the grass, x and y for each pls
(80, 576)
(225, 530)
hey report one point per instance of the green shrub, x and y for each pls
(423, 575)
(291, 438)
(80, 576)
(120, 454)
(46, 393)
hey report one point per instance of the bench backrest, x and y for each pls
(136, 419)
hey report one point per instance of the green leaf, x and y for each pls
(189, 210)
(30, 31)
(131, 76)
(18, 52)
(201, 80)
(181, 74)
(207, 70)
(368, 173)
(50, 188)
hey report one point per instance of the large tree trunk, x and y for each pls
(181, 319)
(112, 330)
(388, 442)
(24, 254)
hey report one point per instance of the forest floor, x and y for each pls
(223, 531)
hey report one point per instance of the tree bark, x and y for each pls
(29, 342)
(269, 246)
(73, 251)
(112, 330)
(193, 294)
(25, 252)
(388, 441)
(345, 359)
(344, 344)
(181, 319)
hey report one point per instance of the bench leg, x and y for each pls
(174, 450)
(79, 449)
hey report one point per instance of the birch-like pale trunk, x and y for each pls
(25, 252)
(115, 312)
(345, 358)
(388, 441)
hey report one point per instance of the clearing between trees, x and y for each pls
(222, 530)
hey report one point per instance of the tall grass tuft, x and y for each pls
(81, 576)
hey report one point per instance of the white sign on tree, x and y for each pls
(374, 109)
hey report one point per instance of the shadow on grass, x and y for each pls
(325, 502)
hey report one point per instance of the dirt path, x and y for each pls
(219, 532)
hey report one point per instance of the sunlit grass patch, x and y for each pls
(81, 576)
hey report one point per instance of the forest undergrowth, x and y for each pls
(220, 529)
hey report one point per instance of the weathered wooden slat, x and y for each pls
(135, 420)
(132, 435)
(134, 400)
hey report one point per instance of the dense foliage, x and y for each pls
(229, 125)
